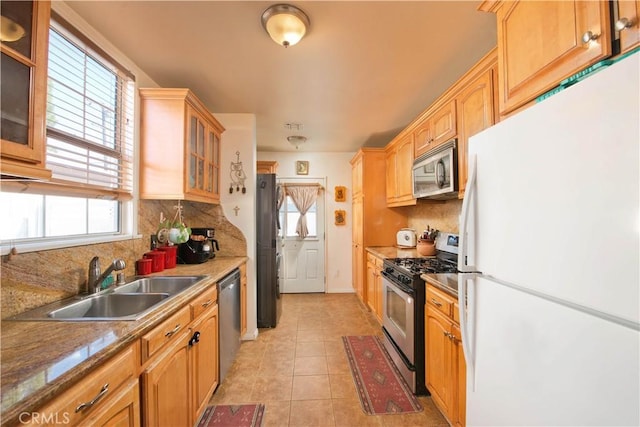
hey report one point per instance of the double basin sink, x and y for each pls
(125, 302)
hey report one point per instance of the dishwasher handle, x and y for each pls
(229, 282)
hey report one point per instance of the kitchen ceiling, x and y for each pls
(363, 72)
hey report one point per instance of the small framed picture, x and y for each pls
(341, 194)
(302, 167)
(340, 217)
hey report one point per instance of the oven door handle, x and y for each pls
(400, 286)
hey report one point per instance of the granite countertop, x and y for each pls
(41, 359)
(447, 282)
(393, 252)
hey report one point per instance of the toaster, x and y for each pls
(406, 238)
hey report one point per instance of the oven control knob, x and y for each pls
(405, 279)
(388, 270)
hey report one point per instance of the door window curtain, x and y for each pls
(303, 197)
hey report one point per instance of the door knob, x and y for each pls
(589, 36)
(623, 23)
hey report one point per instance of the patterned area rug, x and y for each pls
(232, 416)
(381, 388)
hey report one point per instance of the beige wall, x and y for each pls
(441, 216)
(33, 279)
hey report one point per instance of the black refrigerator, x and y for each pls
(268, 257)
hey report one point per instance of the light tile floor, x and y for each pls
(300, 371)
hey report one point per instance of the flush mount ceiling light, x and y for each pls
(285, 24)
(10, 31)
(297, 140)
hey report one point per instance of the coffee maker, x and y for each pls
(200, 247)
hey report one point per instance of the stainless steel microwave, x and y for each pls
(435, 173)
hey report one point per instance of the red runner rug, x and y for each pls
(232, 416)
(381, 388)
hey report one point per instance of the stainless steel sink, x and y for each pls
(109, 306)
(130, 301)
(161, 284)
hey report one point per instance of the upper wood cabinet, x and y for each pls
(540, 43)
(628, 24)
(24, 91)
(264, 166)
(179, 147)
(374, 224)
(437, 128)
(475, 113)
(466, 108)
(399, 161)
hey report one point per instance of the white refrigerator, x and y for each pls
(550, 250)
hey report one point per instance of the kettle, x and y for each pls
(208, 244)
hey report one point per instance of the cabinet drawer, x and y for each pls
(206, 300)
(95, 391)
(441, 301)
(165, 333)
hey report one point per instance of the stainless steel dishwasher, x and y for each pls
(229, 323)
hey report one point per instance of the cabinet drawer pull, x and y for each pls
(86, 405)
(207, 303)
(173, 331)
(436, 302)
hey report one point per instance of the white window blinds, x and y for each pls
(90, 122)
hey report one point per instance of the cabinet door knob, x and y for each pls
(589, 36)
(623, 23)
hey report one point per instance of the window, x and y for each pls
(89, 149)
(289, 215)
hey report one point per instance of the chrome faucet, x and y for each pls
(94, 284)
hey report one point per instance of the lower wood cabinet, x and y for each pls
(204, 360)
(180, 378)
(122, 411)
(165, 378)
(243, 299)
(165, 386)
(374, 285)
(445, 374)
(107, 396)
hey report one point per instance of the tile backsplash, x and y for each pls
(33, 279)
(442, 216)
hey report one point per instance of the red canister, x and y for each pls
(143, 266)
(171, 254)
(157, 260)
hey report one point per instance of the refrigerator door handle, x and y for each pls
(463, 254)
(466, 305)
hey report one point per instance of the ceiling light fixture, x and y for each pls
(10, 31)
(285, 24)
(297, 140)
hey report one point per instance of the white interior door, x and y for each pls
(303, 259)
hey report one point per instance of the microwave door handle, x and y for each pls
(440, 170)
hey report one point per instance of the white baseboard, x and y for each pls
(250, 336)
(341, 291)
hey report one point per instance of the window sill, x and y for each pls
(68, 242)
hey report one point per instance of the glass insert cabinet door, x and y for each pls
(203, 156)
(23, 79)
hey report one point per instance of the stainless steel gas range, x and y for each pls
(403, 307)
